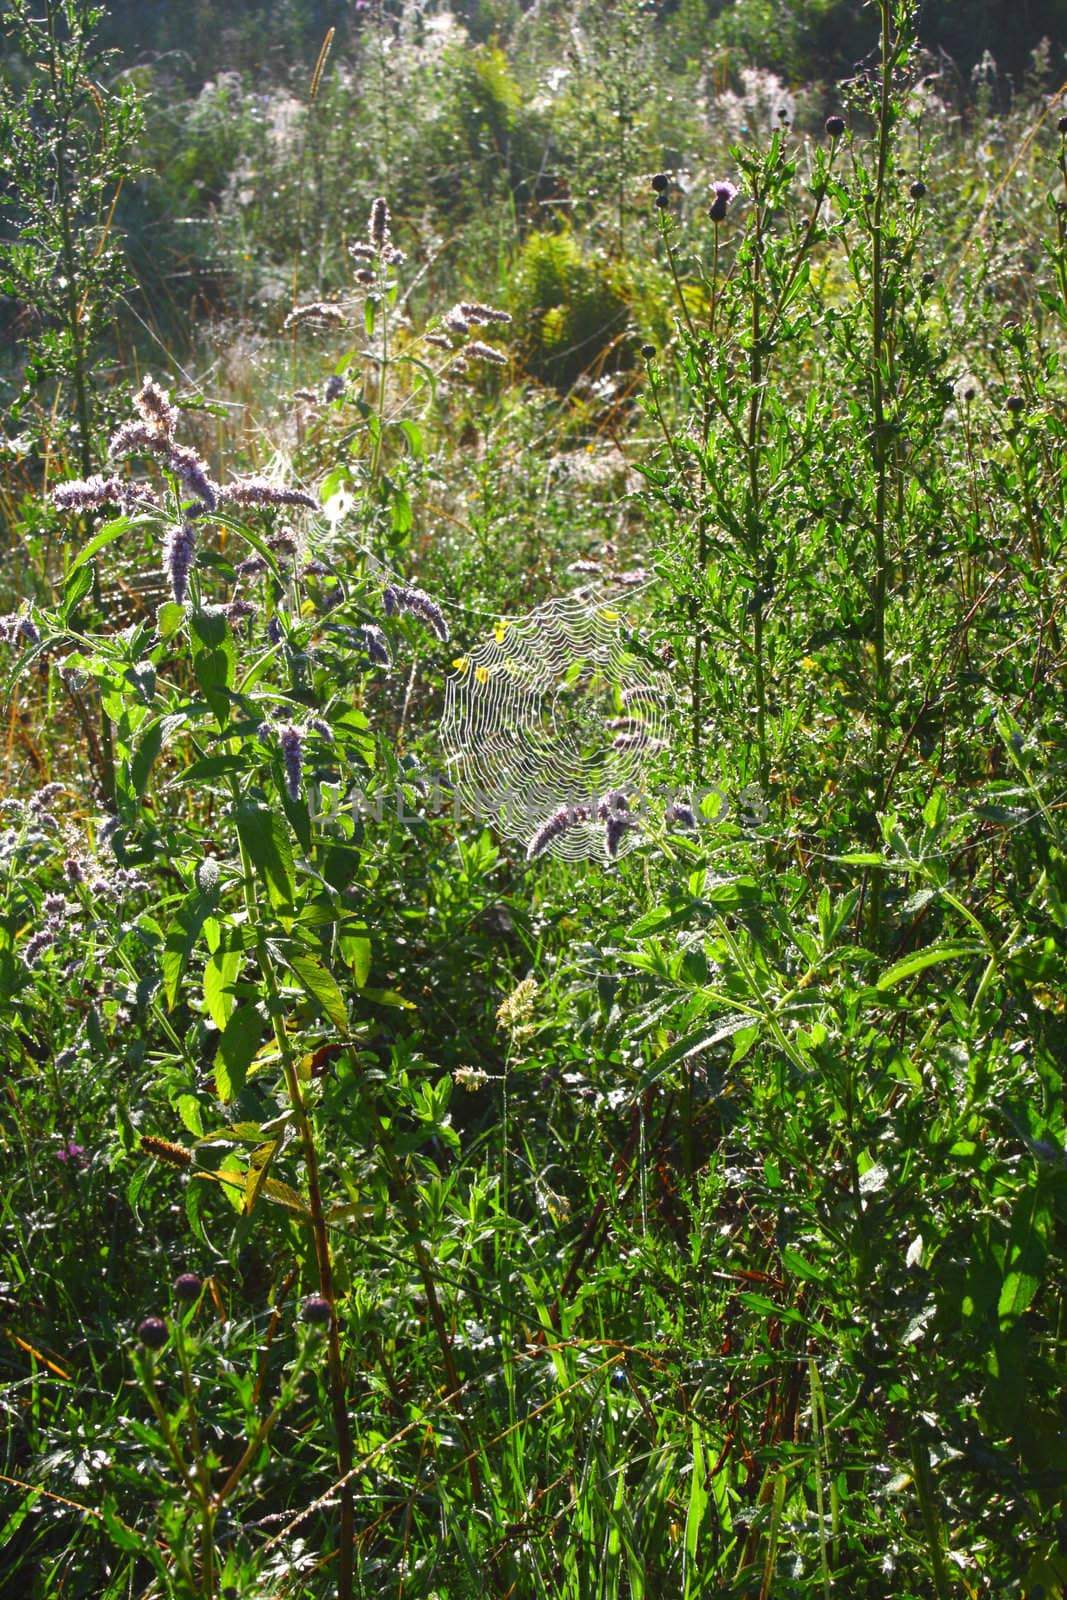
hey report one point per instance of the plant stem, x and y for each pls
(324, 1263)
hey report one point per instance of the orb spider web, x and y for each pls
(555, 713)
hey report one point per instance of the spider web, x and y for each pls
(554, 711)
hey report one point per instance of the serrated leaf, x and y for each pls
(237, 1049)
(169, 618)
(321, 986)
(280, 1193)
(257, 1175)
(266, 838)
(107, 535)
(220, 974)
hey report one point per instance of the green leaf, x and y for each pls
(79, 582)
(237, 1048)
(280, 1193)
(220, 974)
(188, 1108)
(148, 749)
(266, 838)
(181, 939)
(320, 985)
(357, 948)
(388, 997)
(933, 955)
(107, 535)
(169, 618)
(258, 1173)
(698, 1498)
(701, 1038)
(1026, 1257)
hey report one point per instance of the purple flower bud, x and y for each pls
(188, 468)
(251, 567)
(239, 611)
(317, 311)
(155, 408)
(397, 597)
(42, 940)
(682, 813)
(475, 312)
(261, 492)
(377, 645)
(292, 744)
(486, 352)
(80, 494)
(614, 829)
(378, 225)
(187, 1287)
(178, 550)
(556, 824)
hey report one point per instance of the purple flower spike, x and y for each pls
(178, 551)
(292, 744)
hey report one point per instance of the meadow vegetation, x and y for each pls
(394, 1207)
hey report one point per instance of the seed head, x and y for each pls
(207, 875)
(1061, 125)
(835, 126)
(661, 183)
(175, 1155)
(917, 190)
(1015, 403)
(187, 1287)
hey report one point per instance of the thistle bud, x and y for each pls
(316, 1310)
(724, 192)
(153, 1333)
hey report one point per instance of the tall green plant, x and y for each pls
(67, 139)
